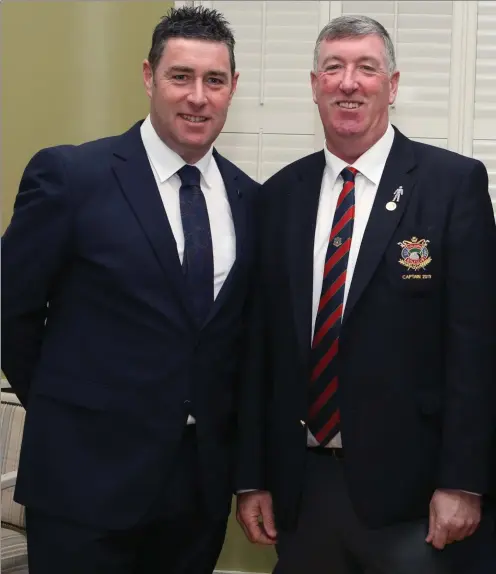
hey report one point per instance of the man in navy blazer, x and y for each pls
(125, 271)
(367, 415)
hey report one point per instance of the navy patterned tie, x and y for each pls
(198, 261)
(324, 414)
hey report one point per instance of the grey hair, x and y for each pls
(351, 27)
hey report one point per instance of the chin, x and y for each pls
(193, 142)
(347, 128)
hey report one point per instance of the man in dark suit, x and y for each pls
(366, 416)
(125, 272)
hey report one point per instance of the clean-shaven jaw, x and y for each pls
(190, 91)
(353, 90)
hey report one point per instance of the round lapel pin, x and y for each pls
(390, 205)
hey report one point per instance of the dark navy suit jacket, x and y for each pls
(417, 347)
(111, 367)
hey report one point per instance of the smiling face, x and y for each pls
(353, 90)
(190, 92)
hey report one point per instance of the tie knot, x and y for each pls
(348, 173)
(190, 175)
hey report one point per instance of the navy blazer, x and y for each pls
(98, 338)
(416, 354)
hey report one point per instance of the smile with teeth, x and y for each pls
(349, 105)
(194, 119)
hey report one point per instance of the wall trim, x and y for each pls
(462, 77)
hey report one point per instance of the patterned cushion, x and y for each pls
(12, 425)
(14, 552)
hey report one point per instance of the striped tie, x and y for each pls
(324, 414)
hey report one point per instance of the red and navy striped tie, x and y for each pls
(324, 414)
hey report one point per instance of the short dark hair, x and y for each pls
(198, 23)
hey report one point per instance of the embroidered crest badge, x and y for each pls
(414, 253)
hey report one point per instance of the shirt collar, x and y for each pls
(167, 162)
(370, 164)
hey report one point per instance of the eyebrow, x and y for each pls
(362, 59)
(219, 73)
(179, 70)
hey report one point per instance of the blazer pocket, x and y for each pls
(414, 285)
(76, 392)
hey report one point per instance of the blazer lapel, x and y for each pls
(302, 218)
(382, 222)
(238, 210)
(135, 176)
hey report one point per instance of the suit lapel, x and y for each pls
(382, 223)
(238, 210)
(133, 171)
(302, 217)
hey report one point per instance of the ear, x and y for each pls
(148, 77)
(234, 85)
(394, 81)
(314, 80)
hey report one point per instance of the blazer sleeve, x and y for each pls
(35, 246)
(470, 310)
(252, 401)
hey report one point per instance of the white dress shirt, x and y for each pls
(165, 163)
(370, 166)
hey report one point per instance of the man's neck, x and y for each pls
(350, 148)
(189, 154)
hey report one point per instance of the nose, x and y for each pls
(197, 94)
(348, 82)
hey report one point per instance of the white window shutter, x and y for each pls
(274, 47)
(272, 118)
(261, 155)
(291, 31)
(273, 115)
(421, 33)
(246, 22)
(485, 84)
(484, 147)
(242, 149)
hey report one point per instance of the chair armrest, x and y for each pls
(9, 479)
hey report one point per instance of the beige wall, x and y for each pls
(71, 71)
